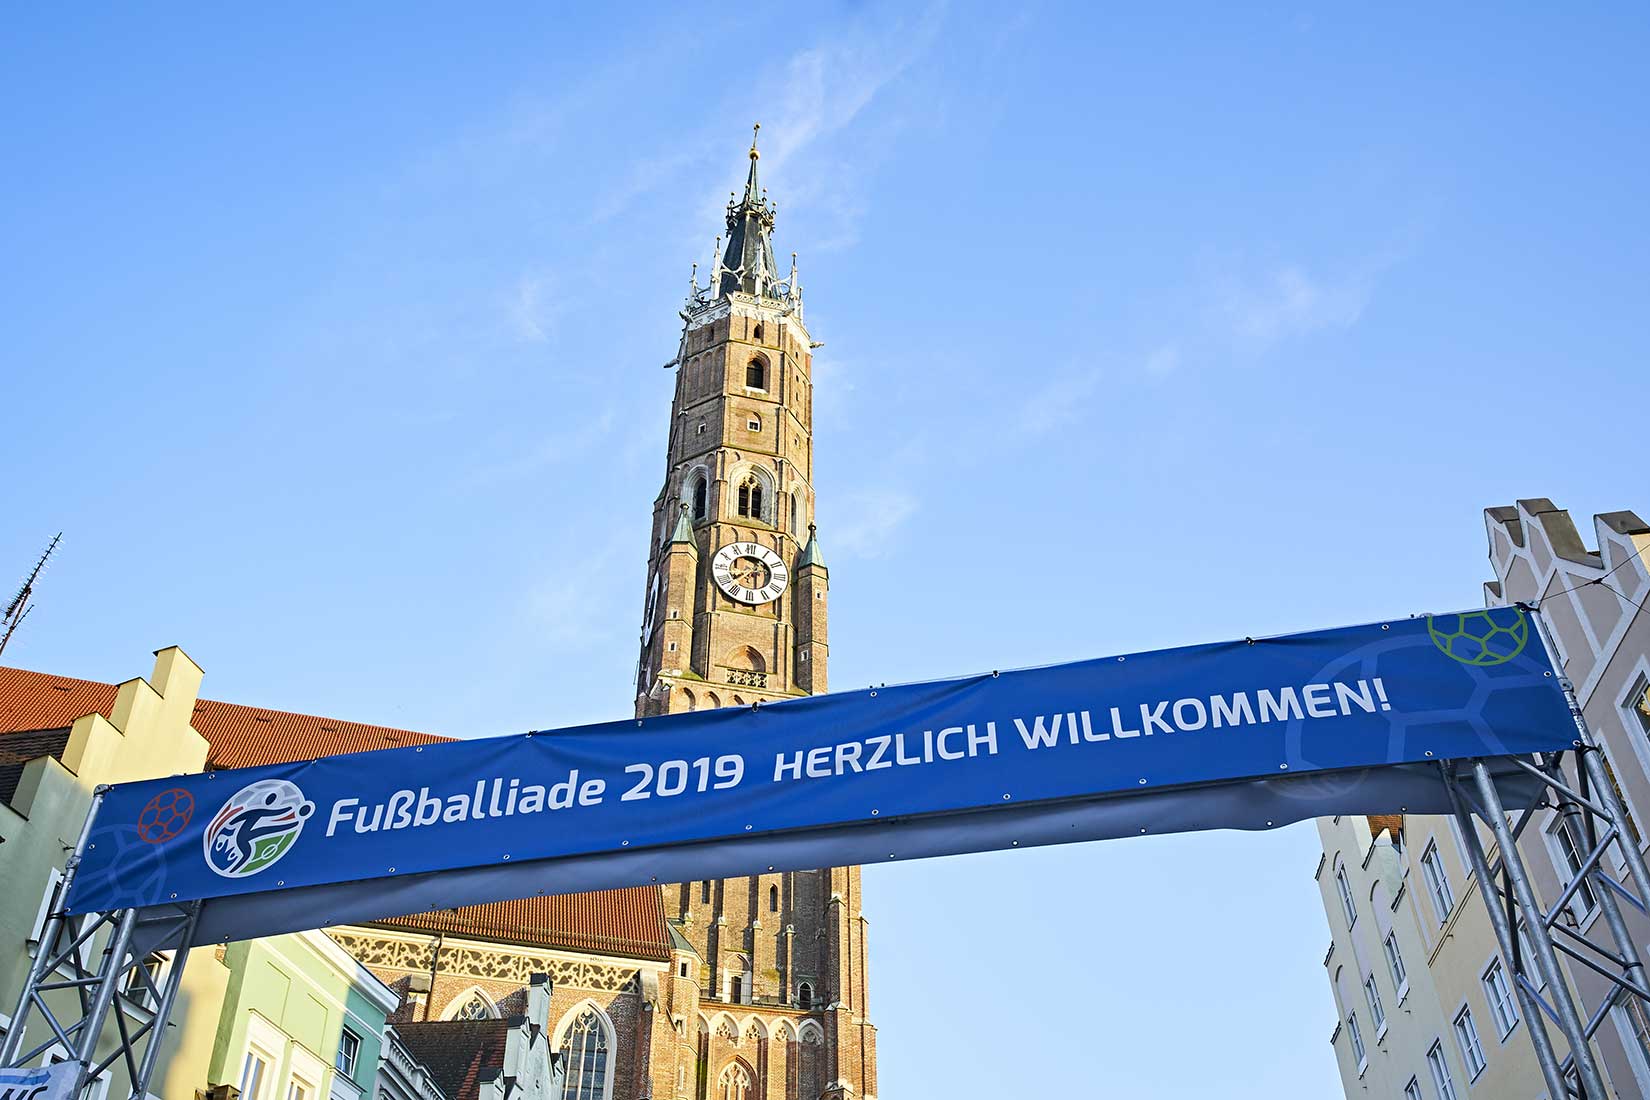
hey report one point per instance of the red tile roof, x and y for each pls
(613, 922)
(456, 1051)
(628, 922)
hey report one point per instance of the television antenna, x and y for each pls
(21, 604)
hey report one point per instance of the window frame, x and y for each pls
(1343, 886)
(1355, 1036)
(1565, 852)
(1498, 992)
(1377, 1010)
(1472, 1047)
(348, 1041)
(1395, 964)
(1437, 880)
(1438, 1063)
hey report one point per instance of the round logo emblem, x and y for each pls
(1493, 636)
(255, 828)
(165, 815)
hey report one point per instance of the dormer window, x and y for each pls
(756, 375)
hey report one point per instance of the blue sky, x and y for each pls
(333, 345)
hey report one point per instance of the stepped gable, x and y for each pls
(37, 708)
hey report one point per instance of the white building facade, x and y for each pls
(1425, 1004)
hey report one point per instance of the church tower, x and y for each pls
(735, 614)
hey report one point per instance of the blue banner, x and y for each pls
(848, 765)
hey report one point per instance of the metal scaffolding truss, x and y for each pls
(126, 964)
(1578, 789)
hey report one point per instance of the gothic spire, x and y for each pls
(747, 264)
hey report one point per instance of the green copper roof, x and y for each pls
(810, 552)
(684, 529)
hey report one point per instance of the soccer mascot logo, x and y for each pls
(1493, 636)
(255, 828)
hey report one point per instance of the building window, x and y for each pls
(672, 647)
(299, 1091)
(584, 1053)
(704, 892)
(1621, 796)
(750, 498)
(754, 423)
(805, 995)
(1357, 1040)
(735, 1083)
(476, 1007)
(1346, 896)
(253, 1072)
(701, 499)
(756, 375)
(349, 1049)
(1466, 1032)
(1377, 1011)
(700, 430)
(1441, 1079)
(1395, 963)
(1412, 1091)
(684, 968)
(1432, 868)
(1637, 703)
(1584, 900)
(1500, 996)
(773, 899)
(736, 989)
(756, 334)
(804, 657)
(1637, 1020)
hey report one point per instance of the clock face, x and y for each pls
(749, 572)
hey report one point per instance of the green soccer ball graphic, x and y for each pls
(1493, 636)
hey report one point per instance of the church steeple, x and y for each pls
(736, 614)
(747, 263)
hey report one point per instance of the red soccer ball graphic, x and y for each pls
(166, 815)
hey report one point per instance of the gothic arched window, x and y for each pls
(584, 1053)
(773, 899)
(704, 892)
(701, 499)
(735, 1083)
(476, 1008)
(750, 498)
(805, 995)
(756, 374)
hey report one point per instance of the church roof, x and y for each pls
(36, 710)
(747, 262)
(811, 554)
(684, 529)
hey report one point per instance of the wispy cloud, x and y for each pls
(1261, 305)
(1060, 400)
(530, 311)
(872, 518)
(1164, 359)
(563, 443)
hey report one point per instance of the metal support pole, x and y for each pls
(114, 958)
(1512, 862)
(49, 934)
(1592, 769)
(163, 1009)
(1506, 938)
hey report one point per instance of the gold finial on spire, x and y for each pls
(755, 129)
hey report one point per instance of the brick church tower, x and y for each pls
(735, 614)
